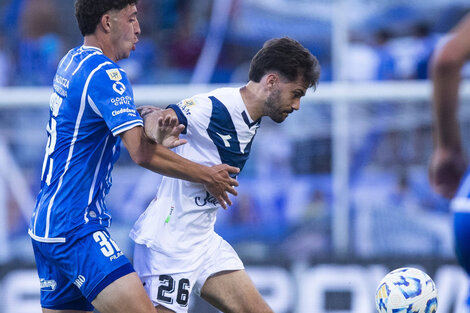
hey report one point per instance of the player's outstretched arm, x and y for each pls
(448, 163)
(157, 158)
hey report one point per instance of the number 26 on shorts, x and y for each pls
(167, 289)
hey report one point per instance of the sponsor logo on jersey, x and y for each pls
(47, 285)
(121, 100)
(185, 106)
(189, 102)
(119, 87)
(131, 112)
(79, 281)
(115, 256)
(208, 199)
(225, 139)
(114, 74)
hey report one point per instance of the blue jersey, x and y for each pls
(91, 104)
(461, 220)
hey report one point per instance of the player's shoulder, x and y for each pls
(93, 60)
(204, 101)
(225, 92)
(227, 96)
(108, 73)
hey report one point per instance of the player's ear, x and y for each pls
(271, 80)
(105, 23)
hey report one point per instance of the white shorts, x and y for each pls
(170, 288)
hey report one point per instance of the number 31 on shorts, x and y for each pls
(109, 247)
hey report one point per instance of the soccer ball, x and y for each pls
(406, 290)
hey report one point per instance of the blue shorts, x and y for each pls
(73, 273)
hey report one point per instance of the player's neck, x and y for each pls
(94, 40)
(253, 97)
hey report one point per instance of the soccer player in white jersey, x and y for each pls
(177, 250)
(448, 162)
(91, 110)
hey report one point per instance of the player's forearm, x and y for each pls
(157, 158)
(450, 56)
(446, 81)
(163, 161)
(446, 66)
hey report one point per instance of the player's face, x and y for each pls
(284, 99)
(124, 31)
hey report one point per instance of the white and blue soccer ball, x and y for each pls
(406, 290)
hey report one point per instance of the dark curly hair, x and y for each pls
(89, 12)
(287, 57)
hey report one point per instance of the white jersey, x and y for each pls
(180, 221)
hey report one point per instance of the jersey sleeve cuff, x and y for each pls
(126, 126)
(180, 115)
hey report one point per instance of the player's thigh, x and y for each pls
(162, 309)
(124, 295)
(234, 292)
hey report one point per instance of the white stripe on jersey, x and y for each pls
(46, 154)
(63, 60)
(460, 204)
(98, 204)
(47, 240)
(86, 58)
(72, 144)
(90, 197)
(94, 107)
(79, 51)
(464, 189)
(130, 124)
(71, 59)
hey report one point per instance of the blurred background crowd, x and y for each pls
(388, 39)
(285, 197)
(320, 187)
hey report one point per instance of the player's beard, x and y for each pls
(272, 107)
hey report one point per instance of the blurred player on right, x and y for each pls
(448, 163)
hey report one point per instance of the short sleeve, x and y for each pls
(110, 96)
(194, 113)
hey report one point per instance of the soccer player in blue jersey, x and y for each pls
(177, 250)
(92, 109)
(448, 162)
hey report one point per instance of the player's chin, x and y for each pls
(279, 118)
(124, 55)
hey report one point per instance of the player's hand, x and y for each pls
(161, 128)
(147, 109)
(168, 132)
(222, 183)
(150, 115)
(446, 169)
